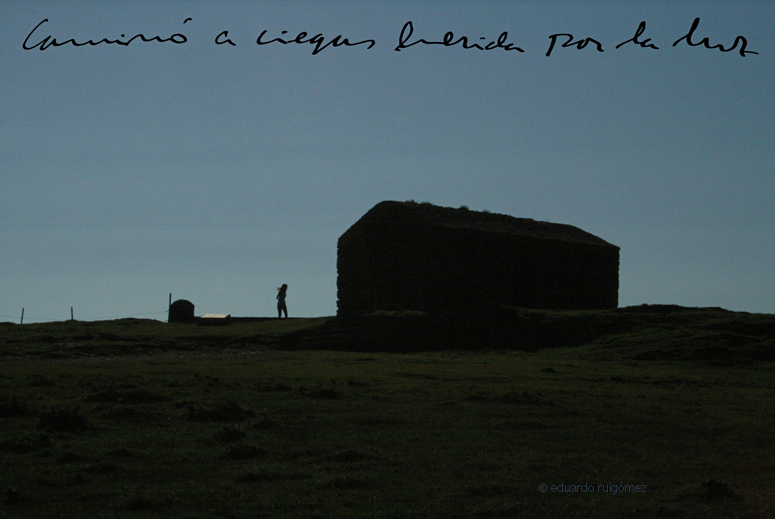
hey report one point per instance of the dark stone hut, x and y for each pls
(181, 311)
(410, 256)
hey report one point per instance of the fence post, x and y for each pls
(22, 320)
(71, 314)
(169, 306)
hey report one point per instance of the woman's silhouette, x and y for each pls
(281, 308)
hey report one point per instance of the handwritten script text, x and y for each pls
(406, 40)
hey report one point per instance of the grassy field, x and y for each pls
(143, 419)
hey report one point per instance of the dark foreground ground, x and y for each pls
(643, 412)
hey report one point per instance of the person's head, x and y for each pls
(283, 288)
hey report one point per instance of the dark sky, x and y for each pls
(218, 172)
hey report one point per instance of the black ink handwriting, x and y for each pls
(706, 41)
(406, 39)
(447, 41)
(645, 43)
(50, 41)
(580, 44)
(225, 34)
(317, 40)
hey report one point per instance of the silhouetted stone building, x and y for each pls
(181, 311)
(410, 256)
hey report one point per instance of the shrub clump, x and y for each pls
(244, 452)
(349, 483)
(144, 504)
(14, 408)
(718, 490)
(492, 490)
(514, 397)
(27, 444)
(66, 419)
(351, 456)
(262, 477)
(135, 396)
(102, 468)
(228, 434)
(276, 386)
(36, 380)
(324, 394)
(229, 411)
(13, 497)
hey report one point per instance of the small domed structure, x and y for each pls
(181, 311)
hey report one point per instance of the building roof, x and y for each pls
(464, 218)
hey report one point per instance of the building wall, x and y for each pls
(404, 268)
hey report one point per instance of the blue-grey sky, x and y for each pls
(218, 172)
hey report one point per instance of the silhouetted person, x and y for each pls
(281, 308)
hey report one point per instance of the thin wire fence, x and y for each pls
(25, 318)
